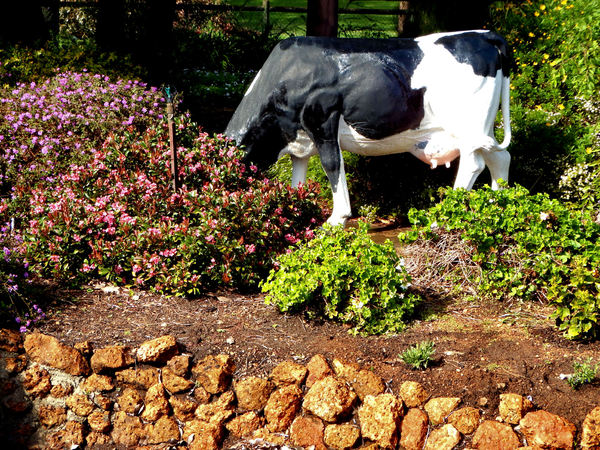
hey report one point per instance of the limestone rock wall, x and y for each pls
(56, 396)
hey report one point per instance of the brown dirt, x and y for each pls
(483, 349)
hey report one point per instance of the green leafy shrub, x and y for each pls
(528, 247)
(584, 373)
(344, 276)
(99, 202)
(555, 81)
(61, 54)
(419, 356)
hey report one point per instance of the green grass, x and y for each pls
(294, 24)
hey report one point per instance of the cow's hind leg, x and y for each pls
(498, 161)
(471, 164)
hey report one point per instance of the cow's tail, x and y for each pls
(505, 107)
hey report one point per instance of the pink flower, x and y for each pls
(291, 239)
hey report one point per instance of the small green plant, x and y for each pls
(419, 356)
(344, 276)
(368, 212)
(584, 373)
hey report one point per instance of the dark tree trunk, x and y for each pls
(322, 18)
(22, 21)
(110, 28)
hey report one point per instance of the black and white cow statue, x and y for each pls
(435, 96)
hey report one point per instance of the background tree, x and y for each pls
(322, 18)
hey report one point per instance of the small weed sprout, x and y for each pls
(584, 373)
(419, 355)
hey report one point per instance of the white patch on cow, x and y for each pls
(301, 147)
(252, 84)
(433, 146)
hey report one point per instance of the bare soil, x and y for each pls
(483, 349)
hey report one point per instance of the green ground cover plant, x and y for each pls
(344, 276)
(528, 246)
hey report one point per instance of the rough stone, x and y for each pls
(180, 364)
(307, 432)
(51, 416)
(142, 377)
(72, 435)
(282, 407)
(15, 364)
(341, 436)
(413, 430)
(330, 399)
(102, 401)
(380, 419)
(164, 430)
(245, 425)
(111, 358)
(492, 435)
(10, 340)
(513, 407)
(318, 368)
(127, 430)
(130, 401)
(98, 440)
(98, 383)
(202, 395)
(175, 383)
(444, 438)
(16, 403)
(252, 393)
(465, 420)
(202, 435)
(413, 394)
(288, 372)
(590, 430)
(80, 405)
(547, 430)
(439, 408)
(157, 350)
(61, 390)
(85, 348)
(214, 373)
(156, 403)
(36, 381)
(50, 351)
(218, 411)
(364, 382)
(183, 408)
(99, 421)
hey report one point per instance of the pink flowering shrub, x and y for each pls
(99, 203)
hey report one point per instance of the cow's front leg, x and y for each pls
(333, 164)
(320, 118)
(470, 165)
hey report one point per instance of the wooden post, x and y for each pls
(322, 18)
(172, 146)
(403, 7)
(266, 17)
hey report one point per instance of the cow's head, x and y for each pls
(263, 131)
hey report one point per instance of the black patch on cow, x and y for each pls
(484, 52)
